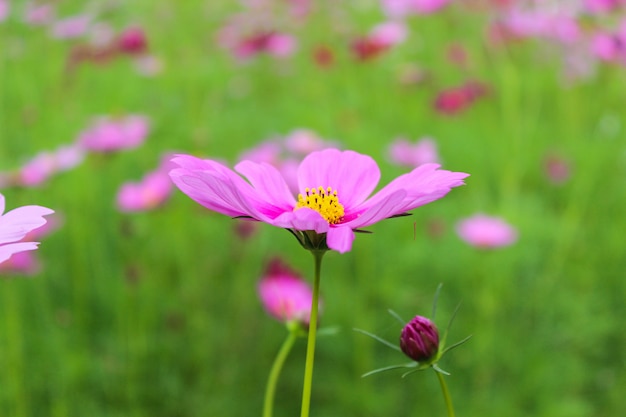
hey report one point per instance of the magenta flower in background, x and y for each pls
(486, 232)
(16, 224)
(404, 153)
(109, 134)
(610, 46)
(284, 294)
(557, 169)
(333, 201)
(132, 41)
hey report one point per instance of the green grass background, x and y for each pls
(156, 314)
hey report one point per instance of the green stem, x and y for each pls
(310, 346)
(446, 394)
(272, 380)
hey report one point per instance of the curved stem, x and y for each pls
(310, 346)
(446, 394)
(272, 380)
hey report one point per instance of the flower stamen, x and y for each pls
(324, 201)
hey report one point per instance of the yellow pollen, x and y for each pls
(324, 201)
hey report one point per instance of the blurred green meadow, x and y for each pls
(156, 313)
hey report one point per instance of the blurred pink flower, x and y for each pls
(404, 153)
(151, 192)
(486, 232)
(381, 38)
(4, 10)
(108, 134)
(610, 46)
(132, 41)
(71, 27)
(333, 201)
(45, 164)
(16, 224)
(301, 142)
(454, 100)
(557, 169)
(272, 43)
(602, 6)
(284, 294)
(402, 8)
(39, 14)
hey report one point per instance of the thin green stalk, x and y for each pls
(446, 394)
(310, 346)
(272, 380)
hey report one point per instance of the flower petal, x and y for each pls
(302, 219)
(423, 185)
(6, 251)
(340, 238)
(383, 209)
(352, 174)
(17, 223)
(266, 179)
(218, 188)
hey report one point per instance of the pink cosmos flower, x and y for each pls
(333, 201)
(402, 152)
(112, 134)
(284, 294)
(132, 41)
(486, 232)
(15, 224)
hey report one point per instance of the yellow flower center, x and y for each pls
(324, 201)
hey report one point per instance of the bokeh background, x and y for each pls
(154, 311)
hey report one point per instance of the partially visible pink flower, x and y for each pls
(284, 294)
(16, 224)
(270, 42)
(39, 14)
(333, 201)
(402, 152)
(602, 6)
(454, 100)
(45, 164)
(381, 38)
(151, 192)
(4, 10)
(71, 27)
(301, 142)
(610, 46)
(403, 8)
(27, 263)
(486, 232)
(112, 134)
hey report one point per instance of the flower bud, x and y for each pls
(419, 339)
